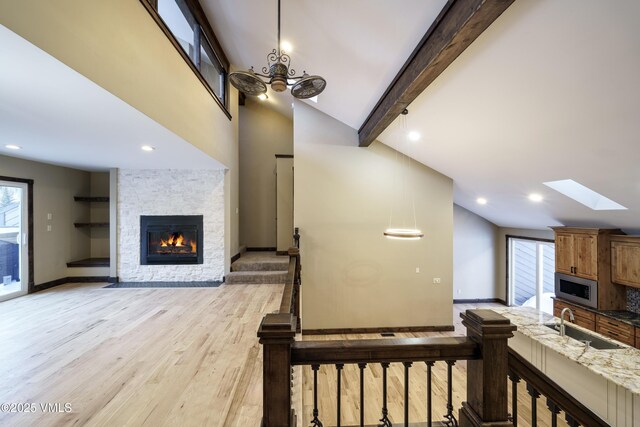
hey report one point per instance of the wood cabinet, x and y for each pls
(586, 253)
(583, 317)
(577, 253)
(615, 329)
(638, 338)
(625, 260)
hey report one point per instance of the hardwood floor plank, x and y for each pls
(135, 357)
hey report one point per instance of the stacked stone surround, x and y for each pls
(170, 192)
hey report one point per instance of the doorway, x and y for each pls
(15, 268)
(531, 268)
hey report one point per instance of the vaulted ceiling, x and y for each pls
(548, 92)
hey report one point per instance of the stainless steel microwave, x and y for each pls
(577, 289)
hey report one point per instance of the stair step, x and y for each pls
(255, 277)
(275, 265)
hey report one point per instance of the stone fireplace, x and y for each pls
(170, 225)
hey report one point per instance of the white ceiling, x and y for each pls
(59, 116)
(550, 91)
(358, 46)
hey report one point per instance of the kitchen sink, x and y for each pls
(580, 335)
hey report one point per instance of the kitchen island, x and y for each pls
(606, 381)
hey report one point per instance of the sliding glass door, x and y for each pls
(531, 273)
(14, 272)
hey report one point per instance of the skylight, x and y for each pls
(584, 195)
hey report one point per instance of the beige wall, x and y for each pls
(475, 242)
(352, 275)
(120, 47)
(53, 190)
(263, 134)
(501, 291)
(99, 212)
(284, 205)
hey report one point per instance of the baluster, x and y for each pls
(315, 422)
(571, 421)
(362, 366)
(385, 413)
(451, 419)
(534, 404)
(407, 365)
(555, 410)
(515, 379)
(339, 367)
(429, 416)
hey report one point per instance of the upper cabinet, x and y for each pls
(586, 253)
(577, 251)
(625, 260)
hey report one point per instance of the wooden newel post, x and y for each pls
(276, 333)
(486, 403)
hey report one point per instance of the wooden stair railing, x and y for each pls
(538, 384)
(484, 347)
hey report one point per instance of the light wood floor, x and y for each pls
(178, 357)
(417, 385)
(135, 357)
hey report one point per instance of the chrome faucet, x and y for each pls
(564, 310)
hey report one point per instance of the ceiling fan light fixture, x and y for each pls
(308, 86)
(278, 75)
(248, 83)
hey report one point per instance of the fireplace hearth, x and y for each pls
(170, 239)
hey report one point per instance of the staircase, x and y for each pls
(258, 268)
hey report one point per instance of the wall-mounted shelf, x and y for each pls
(90, 199)
(90, 262)
(91, 224)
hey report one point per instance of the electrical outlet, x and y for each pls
(436, 280)
(417, 269)
(48, 228)
(49, 216)
(459, 291)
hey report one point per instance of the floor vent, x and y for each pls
(388, 334)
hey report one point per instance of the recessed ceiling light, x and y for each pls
(263, 97)
(147, 148)
(584, 195)
(413, 136)
(535, 197)
(286, 46)
(13, 147)
(481, 201)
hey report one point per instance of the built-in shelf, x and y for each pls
(90, 262)
(91, 224)
(90, 199)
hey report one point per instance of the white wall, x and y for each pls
(263, 134)
(353, 276)
(475, 243)
(170, 192)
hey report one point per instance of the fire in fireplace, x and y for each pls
(171, 239)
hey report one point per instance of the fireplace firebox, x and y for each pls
(170, 240)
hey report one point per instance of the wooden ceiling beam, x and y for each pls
(459, 23)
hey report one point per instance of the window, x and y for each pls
(184, 22)
(531, 268)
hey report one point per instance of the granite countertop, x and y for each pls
(621, 315)
(621, 366)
